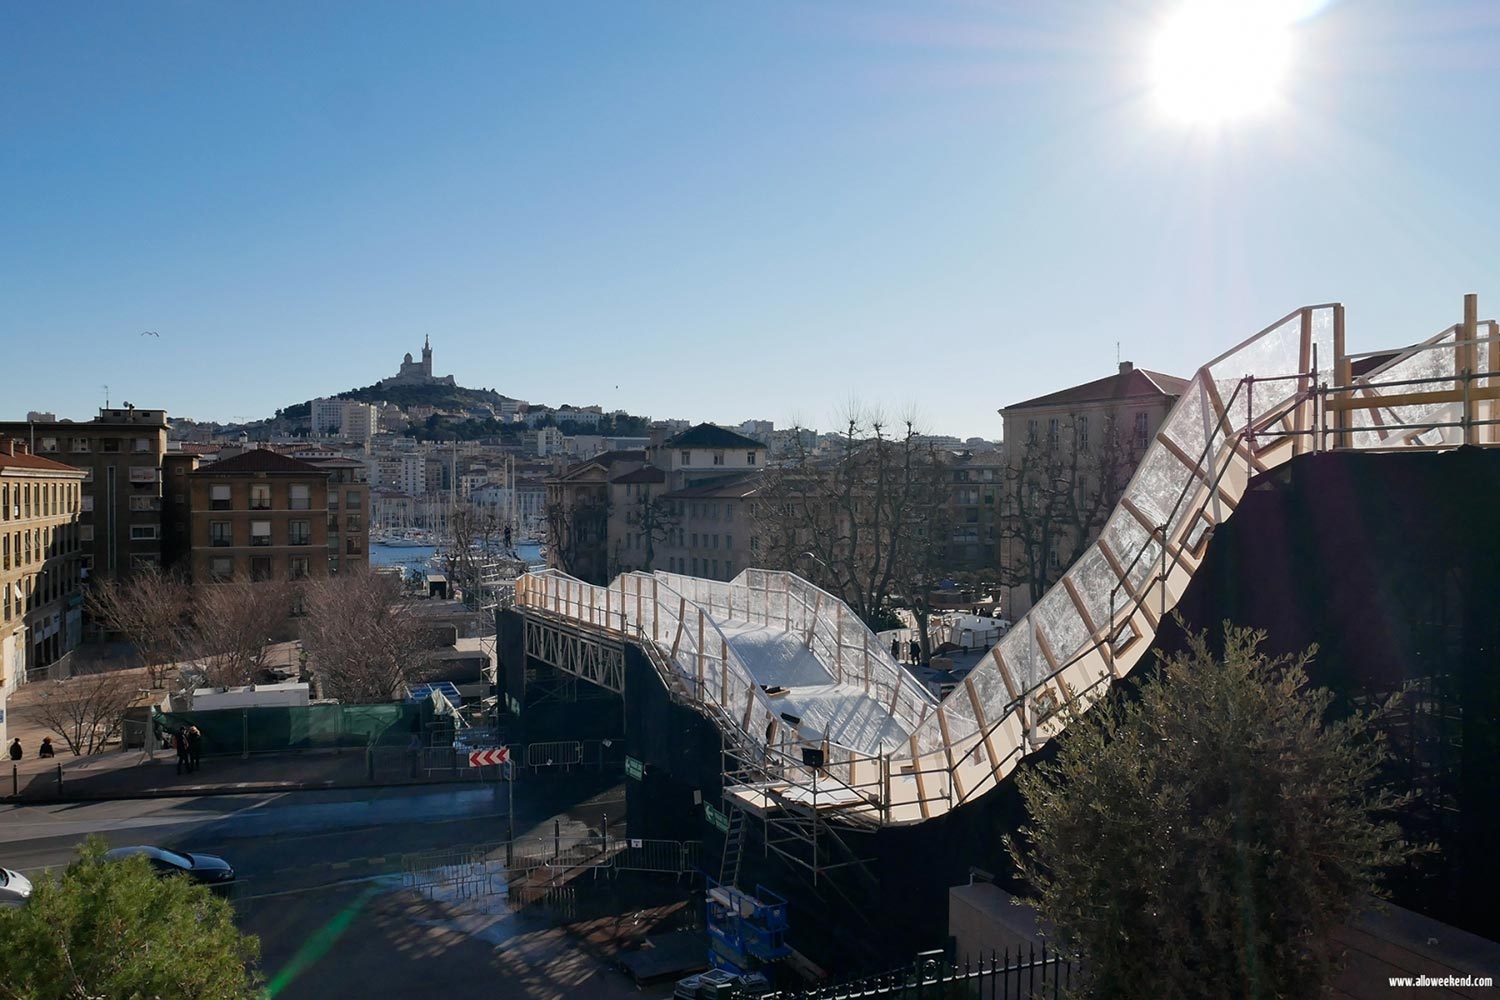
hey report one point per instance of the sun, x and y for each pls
(1218, 60)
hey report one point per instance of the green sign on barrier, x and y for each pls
(716, 819)
(635, 769)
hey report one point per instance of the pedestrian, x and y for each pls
(15, 749)
(916, 651)
(46, 750)
(896, 650)
(195, 747)
(180, 744)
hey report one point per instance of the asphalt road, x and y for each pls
(321, 884)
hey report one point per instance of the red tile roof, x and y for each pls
(22, 460)
(1134, 383)
(645, 474)
(259, 460)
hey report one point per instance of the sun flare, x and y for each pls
(1218, 60)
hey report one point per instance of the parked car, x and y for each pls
(716, 984)
(211, 871)
(15, 888)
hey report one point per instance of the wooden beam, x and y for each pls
(1416, 398)
(983, 722)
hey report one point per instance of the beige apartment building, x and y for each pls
(120, 452)
(263, 516)
(1069, 455)
(40, 558)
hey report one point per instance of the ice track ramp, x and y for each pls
(817, 715)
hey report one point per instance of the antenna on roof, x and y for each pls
(106, 397)
(1117, 354)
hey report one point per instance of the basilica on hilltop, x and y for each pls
(418, 372)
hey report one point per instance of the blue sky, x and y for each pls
(714, 211)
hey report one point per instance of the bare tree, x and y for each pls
(654, 518)
(86, 711)
(576, 535)
(1059, 491)
(232, 625)
(363, 637)
(865, 523)
(472, 534)
(150, 609)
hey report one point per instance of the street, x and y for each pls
(319, 880)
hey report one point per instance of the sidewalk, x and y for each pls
(131, 775)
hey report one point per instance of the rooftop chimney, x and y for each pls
(1125, 366)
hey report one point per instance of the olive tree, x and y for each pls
(1211, 831)
(113, 929)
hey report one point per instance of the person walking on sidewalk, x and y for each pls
(15, 749)
(195, 747)
(179, 743)
(46, 748)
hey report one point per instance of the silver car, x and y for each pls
(15, 888)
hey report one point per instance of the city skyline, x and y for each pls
(713, 214)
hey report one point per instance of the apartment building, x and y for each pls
(41, 555)
(711, 533)
(1069, 456)
(120, 452)
(976, 495)
(266, 516)
(344, 418)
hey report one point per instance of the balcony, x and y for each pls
(261, 540)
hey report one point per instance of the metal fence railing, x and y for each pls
(1030, 974)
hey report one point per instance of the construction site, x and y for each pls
(1325, 495)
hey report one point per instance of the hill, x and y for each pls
(442, 397)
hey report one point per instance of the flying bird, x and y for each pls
(150, 333)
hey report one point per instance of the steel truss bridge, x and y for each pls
(823, 731)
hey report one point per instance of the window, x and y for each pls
(144, 532)
(221, 568)
(1142, 419)
(754, 543)
(716, 567)
(143, 473)
(299, 532)
(1083, 433)
(145, 503)
(351, 500)
(260, 532)
(299, 496)
(729, 541)
(260, 496)
(260, 568)
(695, 565)
(5, 549)
(695, 539)
(220, 533)
(46, 445)
(1052, 426)
(298, 568)
(1031, 432)
(718, 458)
(749, 458)
(81, 445)
(686, 458)
(110, 445)
(87, 505)
(142, 444)
(333, 523)
(351, 546)
(218, 496)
